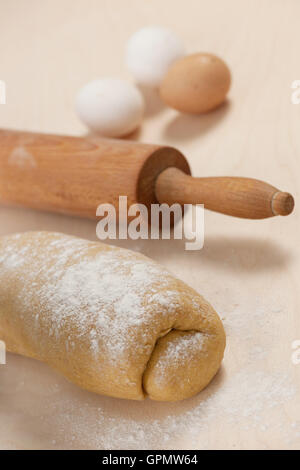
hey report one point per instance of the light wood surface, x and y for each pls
(249, 270)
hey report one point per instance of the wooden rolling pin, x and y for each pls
(73, 175)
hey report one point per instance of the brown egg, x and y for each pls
(196, 83)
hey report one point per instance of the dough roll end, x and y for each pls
(182, 364)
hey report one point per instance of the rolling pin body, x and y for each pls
(74, 175)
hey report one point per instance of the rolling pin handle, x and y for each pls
(239, 197)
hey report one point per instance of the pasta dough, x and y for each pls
(112, 321)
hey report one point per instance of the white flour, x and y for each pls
(243, 400)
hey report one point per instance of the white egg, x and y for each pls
(110, 106)
(150, 51)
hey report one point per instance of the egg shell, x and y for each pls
(196, 83)
(110, 107)
(149, 53)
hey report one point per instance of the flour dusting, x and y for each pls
(22, 158)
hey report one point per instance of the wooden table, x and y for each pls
(249, 270)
